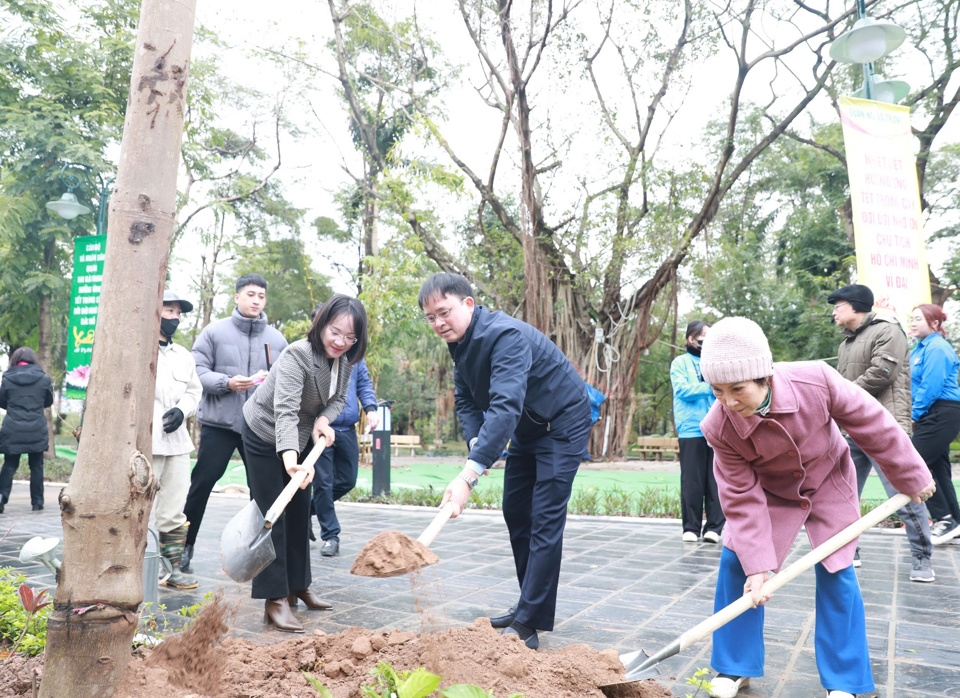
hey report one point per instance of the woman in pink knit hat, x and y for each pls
(781, 463)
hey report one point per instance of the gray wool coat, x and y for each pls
(295, 394)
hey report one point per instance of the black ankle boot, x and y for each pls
(185, 557)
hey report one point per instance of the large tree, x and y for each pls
(106, 506)
(600, 253)
(63, 91)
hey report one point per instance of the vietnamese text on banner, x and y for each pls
(887, 222)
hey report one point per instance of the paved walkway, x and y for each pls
(625, 584)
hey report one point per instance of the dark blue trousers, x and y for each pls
(335, 474)
(537, 483)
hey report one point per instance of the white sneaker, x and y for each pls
(839, 694)
(944, 530)
(689, 537)
(723, 687)
(711, 537)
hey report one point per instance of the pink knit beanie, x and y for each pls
(735, 350)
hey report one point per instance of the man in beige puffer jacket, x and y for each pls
(874, 354)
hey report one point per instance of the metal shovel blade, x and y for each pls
(638, 667)
(246, 548)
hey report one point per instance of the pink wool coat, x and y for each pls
(792, 468)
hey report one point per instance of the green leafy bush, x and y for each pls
(15, 621)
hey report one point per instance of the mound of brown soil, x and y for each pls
(390, 554)
(476, 654)
(199, 664)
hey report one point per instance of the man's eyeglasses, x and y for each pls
(442, 315)
(341, 337)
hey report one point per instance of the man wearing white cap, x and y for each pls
(176, 397)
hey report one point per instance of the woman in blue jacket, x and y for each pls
(936, 414)
(692, 398)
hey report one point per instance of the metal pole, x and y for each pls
(867, 67)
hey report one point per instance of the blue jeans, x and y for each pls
(916, 521)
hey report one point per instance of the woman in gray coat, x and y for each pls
(24, 393)
(304, 392)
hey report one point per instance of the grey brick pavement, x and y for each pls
(625, 584)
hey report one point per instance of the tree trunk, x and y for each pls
(45, 341)
(106, 506)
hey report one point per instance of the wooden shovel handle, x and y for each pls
(431, 531)
(273, 513)
(744, 603)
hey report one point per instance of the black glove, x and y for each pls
(172, 419)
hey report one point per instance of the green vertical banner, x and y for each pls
(88, 255)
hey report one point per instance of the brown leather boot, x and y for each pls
(277, 613)
(310, 598)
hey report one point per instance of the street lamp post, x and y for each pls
(867, 41)
(67, 205)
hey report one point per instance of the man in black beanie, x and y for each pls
(874, 355)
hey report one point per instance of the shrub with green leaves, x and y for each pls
(15, 621)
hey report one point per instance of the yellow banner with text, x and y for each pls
(887, 221)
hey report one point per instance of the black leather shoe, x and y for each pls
(330, 547)
(185, 558)
(38, 507)
(525, 633)
(505, 620)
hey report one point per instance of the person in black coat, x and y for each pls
(25, 392)
(512, 383)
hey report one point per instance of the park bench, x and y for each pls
(411, 441)
(397, 441)
(656, 447)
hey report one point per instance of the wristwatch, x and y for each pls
(471, 481)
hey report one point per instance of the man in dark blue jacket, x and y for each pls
(512, 383)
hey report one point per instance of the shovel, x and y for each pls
(246, 548)
(639, 666)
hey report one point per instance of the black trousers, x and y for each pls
(335, 474)
(698, 487)
(11, 461)
(216, 447)
(931, 437)
(267, 477)
(537, 483)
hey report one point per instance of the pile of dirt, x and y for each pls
(199, 663)
(477, 654)
(390, 554)
(19, 674)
